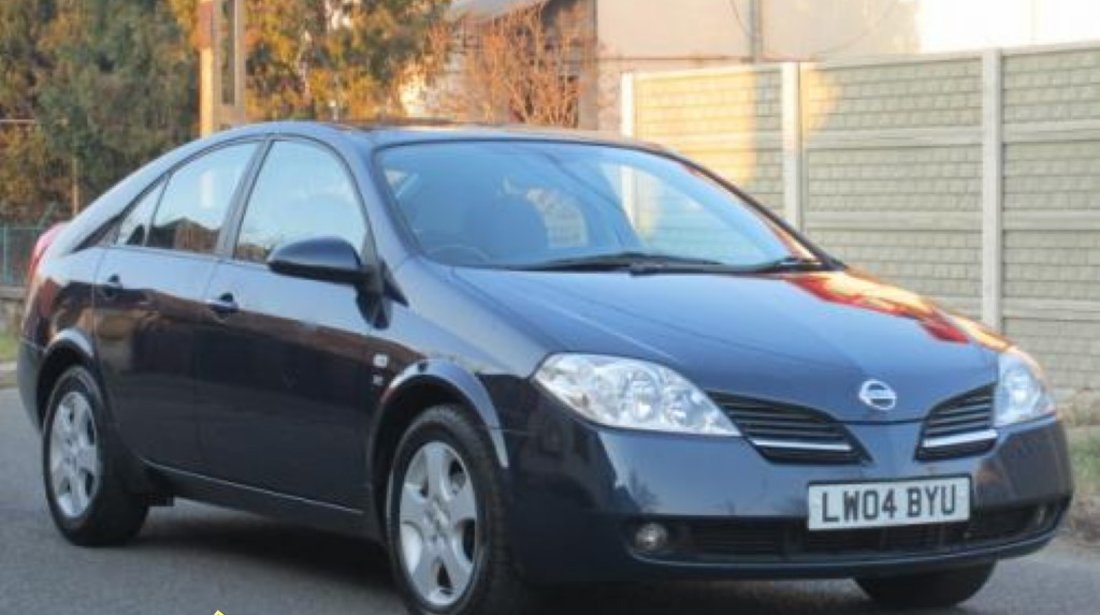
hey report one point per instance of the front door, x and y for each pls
(283, 363)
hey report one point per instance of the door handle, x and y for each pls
(111, 287)
(223, 305)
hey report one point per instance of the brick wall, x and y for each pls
(973, 178)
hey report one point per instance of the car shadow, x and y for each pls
(338, 558)
(709, 598)
(359, 565)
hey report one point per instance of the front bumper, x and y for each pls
(580, 491)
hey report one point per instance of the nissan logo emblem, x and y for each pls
(878, 395)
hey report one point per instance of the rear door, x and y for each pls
(284, 390)
(149, 298)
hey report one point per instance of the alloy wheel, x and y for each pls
(438, 524)
(75, 468)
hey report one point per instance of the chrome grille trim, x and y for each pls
(802, 446)
(788, 433)
(960, 426)
(960, 439)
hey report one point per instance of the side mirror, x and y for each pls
(328, 259)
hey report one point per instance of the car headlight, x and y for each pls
(1021, 390)
(632, 394)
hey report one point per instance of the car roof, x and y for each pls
(384, 132)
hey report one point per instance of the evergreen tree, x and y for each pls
(30, 175)
(121, 86)
(113, 83)
(325, 58)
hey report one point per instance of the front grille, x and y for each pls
(790, 540)
(961, 426)
(783, 432)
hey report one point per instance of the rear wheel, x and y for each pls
(939, 589)
(88, 499)
(445, 520)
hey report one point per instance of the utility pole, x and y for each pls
(756, 31)
(221, 64)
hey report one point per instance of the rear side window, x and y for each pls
(193, 208)
(302, 191)
(134, 228)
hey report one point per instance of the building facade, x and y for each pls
(654, 35)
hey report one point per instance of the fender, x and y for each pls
(66, 341)
(72, 339)
(134, 471)
(459, 381)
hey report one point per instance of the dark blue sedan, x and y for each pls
(523, 359)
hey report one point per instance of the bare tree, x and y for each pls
(528, 66)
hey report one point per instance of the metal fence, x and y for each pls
(16, 243)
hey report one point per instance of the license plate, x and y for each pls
(883, 504)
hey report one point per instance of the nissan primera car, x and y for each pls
(521, 360)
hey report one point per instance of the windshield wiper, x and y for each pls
(635, 262)
(789, 263)
(644, 263)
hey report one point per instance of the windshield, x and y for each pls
(535, 204)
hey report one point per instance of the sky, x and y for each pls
(953, 25)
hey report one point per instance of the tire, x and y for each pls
(930, 590)
(87, 496)
(490, 584)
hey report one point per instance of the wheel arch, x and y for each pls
(73, 347)
(419, 387)
(67, 349)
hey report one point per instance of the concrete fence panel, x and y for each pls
(973, 178)
(893, 177)
(1052, 209)
(729, 120)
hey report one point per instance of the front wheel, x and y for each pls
(939, 589)
(446, 521)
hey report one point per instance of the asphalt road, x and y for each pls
(193, 560)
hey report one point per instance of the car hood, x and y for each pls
(810, 339)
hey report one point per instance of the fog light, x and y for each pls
(1040, 517)
(651, 537)
(1046, 516)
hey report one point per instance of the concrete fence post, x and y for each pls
(992, 253)
(791, 95)
(627, 112)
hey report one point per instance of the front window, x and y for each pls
(533, 204)
(301, 192)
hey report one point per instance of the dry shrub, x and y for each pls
(528, 66)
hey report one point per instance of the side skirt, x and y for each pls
(266, 503)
